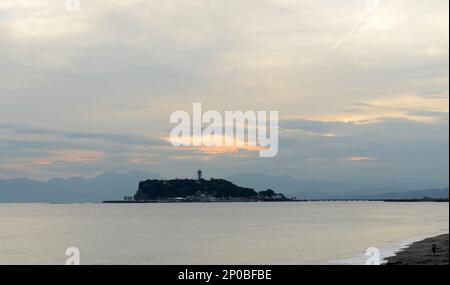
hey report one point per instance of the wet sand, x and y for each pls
(420, 253)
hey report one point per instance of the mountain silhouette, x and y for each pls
(314, 189)
(109, 185)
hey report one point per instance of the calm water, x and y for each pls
(213, 233)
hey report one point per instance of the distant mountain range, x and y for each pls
(114, 186)
(417, 194)
(109, 185)
(313, 189)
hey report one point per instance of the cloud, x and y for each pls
(437, 115)
(106, 80)
(75, 155)
(315, 126)
(407, 107)
(360, 158)
(105, 137)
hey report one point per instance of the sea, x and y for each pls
(262, 233)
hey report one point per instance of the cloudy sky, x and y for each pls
(362, 94)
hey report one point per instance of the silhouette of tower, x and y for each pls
(199, 174)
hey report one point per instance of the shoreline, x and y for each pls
(387, 250)
(420, 253)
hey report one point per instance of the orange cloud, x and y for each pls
(74, 155)
(190, 157)
(66, 155)
(406, 107)
(360, 158)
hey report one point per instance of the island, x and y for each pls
(197, 190)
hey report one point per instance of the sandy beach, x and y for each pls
(420, 253)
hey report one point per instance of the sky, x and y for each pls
(361, 87)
